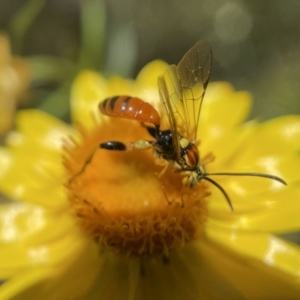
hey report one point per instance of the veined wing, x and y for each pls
(168, 111)
(183, 91)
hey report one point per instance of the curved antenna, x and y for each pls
(221, 189)
(253, 174)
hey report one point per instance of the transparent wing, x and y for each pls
(168, 113)
(183, 91)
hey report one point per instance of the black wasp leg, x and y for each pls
(153, 131)
(110, 145)
(113, 145)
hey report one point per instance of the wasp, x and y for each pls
(181, 90)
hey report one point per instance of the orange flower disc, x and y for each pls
(120, 201)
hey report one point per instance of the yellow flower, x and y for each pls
(14, 79)
(147, 248)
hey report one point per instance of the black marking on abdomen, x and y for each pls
(113, 101)
(124, 103)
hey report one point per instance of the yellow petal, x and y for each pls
(72, 279)
(259, 266)
(146, 82)
(274, 138)
(88, 89)
(19, 285)
(26, 176)
(272, 217)
(276, 253)
(226, 147)
(147, 77)
(285, 166)
(246, 194)
(222, 109)
(161, 279)
(117, 86)
(277, 136)
(32, 236)
(16, 220)
(193, 272)
(6, 161)
(34, 160)
(41, 128)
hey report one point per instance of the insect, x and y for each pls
(181, 90)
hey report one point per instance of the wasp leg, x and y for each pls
(164, 163)
(160, 162)
(113, 145)
(181, 196)
(165, 194)
(153, 131)
(189, 180)
(140, 144)
(110, 145)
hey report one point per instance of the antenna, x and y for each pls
(253, 174)
(221, 189)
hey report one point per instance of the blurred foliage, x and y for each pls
(255, 43)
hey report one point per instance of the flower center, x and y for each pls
(120, 201)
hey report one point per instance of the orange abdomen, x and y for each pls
(130, 108)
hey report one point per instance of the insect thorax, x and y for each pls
(164, 145)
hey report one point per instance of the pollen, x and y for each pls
(121, 203)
